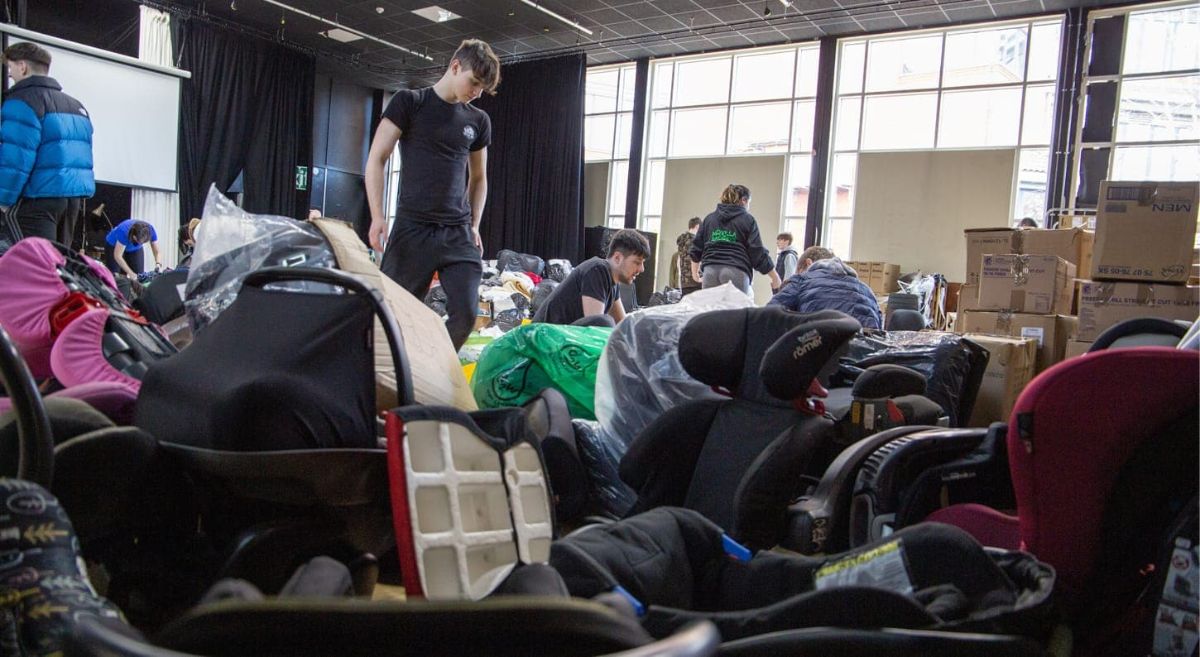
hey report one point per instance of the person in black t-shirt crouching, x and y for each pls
(443, 184)
(588, 296)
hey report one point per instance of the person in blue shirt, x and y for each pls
(45, 149)
(823, 282)
(125, 242)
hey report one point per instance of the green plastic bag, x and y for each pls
(528, 359)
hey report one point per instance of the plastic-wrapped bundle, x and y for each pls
(557, 269)
(231, 243)
(601, 454)
(523, 362)
(509, 319)
(436, 299)
(541, 292)
(640, 375)
(951, 364)
(521, 262)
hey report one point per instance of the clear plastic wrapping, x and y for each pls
(231, 243)
(601, 452)
(640, 375)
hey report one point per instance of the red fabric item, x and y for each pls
(533, 277)
(401, 515)
(989, 526)
(1088, 416)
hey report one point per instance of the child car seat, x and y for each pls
(739, 461)
(678, 568)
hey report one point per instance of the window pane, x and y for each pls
(1163, 40)
(1159, 109)
(985, 57)
(849, 111)
(806, 75)
(698, 132)
(899, 121)
(979, 118)
(618, 182)
(658, 133)
(904, 63)
(763, 77)
(663, 73)
(1174, 163)
(702, 82)
(837, 237)
(759, 128)
(628, 86)
(624, 133)
(1043, 51)
(656, 173)
(841, 184)
(799, 176)
(598, 137)
(1039, 115)
(850, 68)
(615, 221)
(601, 91)
(1031, 184)
(651, 224)
(803, 118)
(796, 226)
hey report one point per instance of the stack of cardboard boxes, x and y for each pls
(1144, 258)
(882, 277)
(1024, 303)
(1017, 303)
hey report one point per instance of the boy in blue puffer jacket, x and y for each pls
(45, 148)
(824, 282)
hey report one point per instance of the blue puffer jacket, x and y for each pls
(45, 143)
(830, 285)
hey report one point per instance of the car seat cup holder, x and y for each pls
(468, 507)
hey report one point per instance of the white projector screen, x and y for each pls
(134, 111)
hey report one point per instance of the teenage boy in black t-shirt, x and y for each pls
(589, 294)
(443, 184)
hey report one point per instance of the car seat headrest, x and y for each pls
(794, 361)
(726, 348)
(888, 380)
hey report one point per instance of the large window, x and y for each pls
(607, 131)
(754, 102)
(1141, 106)
(973, 87)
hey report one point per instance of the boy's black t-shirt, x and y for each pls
(592, 278)
(436, 139)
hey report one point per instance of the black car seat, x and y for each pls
(740, 460)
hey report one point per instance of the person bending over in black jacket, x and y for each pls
(728, 248)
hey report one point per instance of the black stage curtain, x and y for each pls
(248, 106)
(535, 162)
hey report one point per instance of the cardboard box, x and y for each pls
(1075, 245)
(881, 277)
(1145, 231)
(1010, 367)
(968, 297)
(1103, 304)
(1037, 284)
(1050, 331)
(1076, 348)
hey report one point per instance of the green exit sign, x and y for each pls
(301, 178)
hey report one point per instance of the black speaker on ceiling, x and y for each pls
(595, 243)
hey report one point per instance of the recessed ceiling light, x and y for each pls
(379, 10)
(338, 34)
(436, 14)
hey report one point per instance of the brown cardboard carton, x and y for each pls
(1050, 331)
(1145, 231)
(1038, 284)
(437, 376)
(982, 241)
(1103, 304)
(1010, 367)
(1074, 245)
(968, 297)
(884, 278)
(1076, 348)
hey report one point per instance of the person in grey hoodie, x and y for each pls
(728, 247)
(824, 282)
